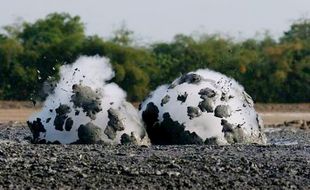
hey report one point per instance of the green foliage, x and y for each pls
(123, 36)
(34, 50)
(270, 70)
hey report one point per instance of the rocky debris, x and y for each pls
(182, 97)
(87, 99)
(61, 116)
(114, 124)
(36, 127)
(222, 111)
(193, 112)
(165, 100)
(207, 105)
(89, 134)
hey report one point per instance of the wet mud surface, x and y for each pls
(282, 164)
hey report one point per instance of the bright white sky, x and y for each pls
(160, 20)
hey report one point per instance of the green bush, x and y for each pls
(270, 70)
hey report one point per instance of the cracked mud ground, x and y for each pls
(24, 165)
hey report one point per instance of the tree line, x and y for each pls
(270, 70)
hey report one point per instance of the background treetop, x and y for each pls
(271, 70)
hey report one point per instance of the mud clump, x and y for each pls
(233, 134)
(87, 99)
(114, 124)
(212, 141)
(89, 134)
(128, 140)
(36, 127)
(190, 78)
(193, 112)
(165, 100)
(222, 111)
(206, 92)
(207, 105)
(61, 117)
(182, 97)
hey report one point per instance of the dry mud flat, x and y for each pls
(283, 164)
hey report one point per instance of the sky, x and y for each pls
(160, 20)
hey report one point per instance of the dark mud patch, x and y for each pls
(87, 99)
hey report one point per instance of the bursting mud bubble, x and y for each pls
(84, 109)
(202, 107)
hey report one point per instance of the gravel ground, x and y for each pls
(282, 164)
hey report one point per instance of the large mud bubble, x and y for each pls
(84, 109)
(202, 107)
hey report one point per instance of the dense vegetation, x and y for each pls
(271, 70)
